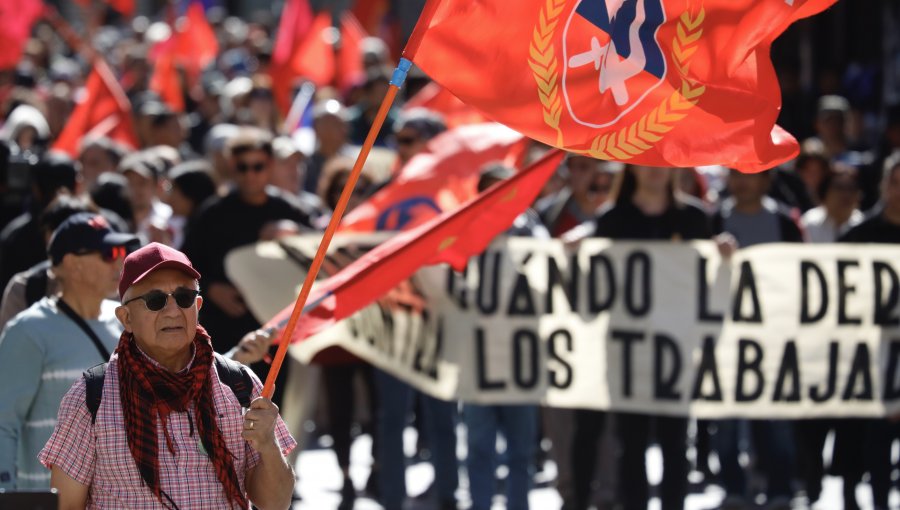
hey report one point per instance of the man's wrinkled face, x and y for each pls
(166, 331)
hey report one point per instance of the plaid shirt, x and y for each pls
(97, 455)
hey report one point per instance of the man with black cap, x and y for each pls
(44, 349)
(168, 431)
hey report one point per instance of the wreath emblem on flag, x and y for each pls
(637, 136)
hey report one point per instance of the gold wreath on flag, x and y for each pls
(640, 135)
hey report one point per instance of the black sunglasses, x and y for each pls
(256, 167)
(156, 300)
(406, 140)
(108, 254)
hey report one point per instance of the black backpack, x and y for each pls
(232, 373)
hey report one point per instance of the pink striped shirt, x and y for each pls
(97, 455)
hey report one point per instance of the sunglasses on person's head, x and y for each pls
(245, 167)
(156, 300)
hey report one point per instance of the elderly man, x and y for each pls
(168, 432)
(44, 349)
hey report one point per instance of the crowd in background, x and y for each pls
(227, 172)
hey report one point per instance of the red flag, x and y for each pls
(196, 45)
(437, 98)
(674, 83)
(16, 19)
(296, 21)
(452, 238)
(124, 7)
(440, 179)
(349, 69)
(311, 57)
(166, 82)
(104, 110)
(311, 53)
(371, 14)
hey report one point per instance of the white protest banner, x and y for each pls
(778, 331)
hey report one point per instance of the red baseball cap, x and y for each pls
(142, 262)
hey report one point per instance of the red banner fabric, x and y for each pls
(675, 83)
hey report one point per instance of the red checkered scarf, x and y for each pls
(148, 390)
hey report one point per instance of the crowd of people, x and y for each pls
(93, 247)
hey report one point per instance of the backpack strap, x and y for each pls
(235, 376)
(93, 385)
(232, 373)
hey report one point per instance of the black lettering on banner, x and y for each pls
(525, 353)
(808, 267)
(425, 360)
(859, 369)
(815, 392)
(555, 278)
(521, 302)
(457, 288)
(638, 265)
(488, 279)
(385, 329)
(665, 385)
(600, 263)
(708, 367)
(749, 364)
(557, 380)
(705, 314)
(352, 327)
(885, 310)
(789, 368)
(746, 283)
(484, 383)
(627, 338)
(845, 290)
(891, 389)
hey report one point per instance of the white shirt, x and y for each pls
(822, 229)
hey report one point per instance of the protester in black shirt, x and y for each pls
(883, 226)
(235, 220)
(644, 205)
(876, 436)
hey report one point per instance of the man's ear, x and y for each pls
(199, 302)
(124, 316)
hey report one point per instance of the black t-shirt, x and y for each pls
(225, 223)
(874, 230)
(682, 220)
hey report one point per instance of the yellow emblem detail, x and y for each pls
(639, 136)
(446, 243)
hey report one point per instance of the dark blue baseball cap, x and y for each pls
(84, 233)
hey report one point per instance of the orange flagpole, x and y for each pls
(396, 82)
(332, 227)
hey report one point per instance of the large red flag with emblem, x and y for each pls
(652, 82)
(453, 237)
(441, 178)
(16, 19)
(104, 110)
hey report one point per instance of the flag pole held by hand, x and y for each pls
(396, 82)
